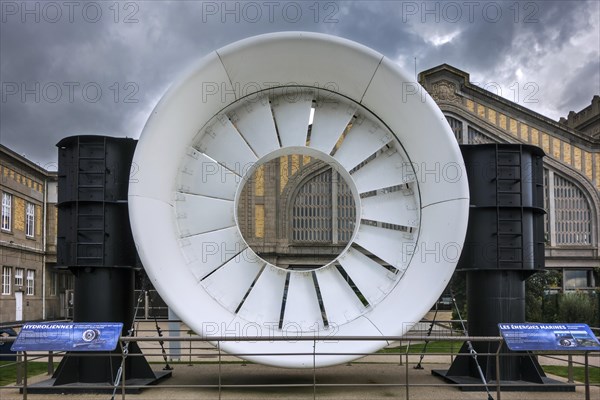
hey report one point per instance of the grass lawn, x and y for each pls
(8, 373)
(432, 347)
(578, 372)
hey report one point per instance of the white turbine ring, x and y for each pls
(205, 214)
(202, 142)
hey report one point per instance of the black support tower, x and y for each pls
(503, 247)
(95, 243)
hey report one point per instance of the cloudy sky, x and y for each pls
(70, 68)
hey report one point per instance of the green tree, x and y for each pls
(578, 307)
(535, 290)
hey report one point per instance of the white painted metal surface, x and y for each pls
(230, 292)
(330, 121)
(258, 127)
(302, 309)
(370, 278)
(399, 208)
(341, 302)
(200, 214)
(392, 246)
(388, 169)
(292, 115)
(223, 143)
(361, 142)
(202, 143)
(263, 304)
(202, 175)
(205, 252)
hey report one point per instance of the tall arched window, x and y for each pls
(547, 204)
(573, 216)
(569, 216)
(323, 210)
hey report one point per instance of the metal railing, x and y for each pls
(153, 306)
(403, 357)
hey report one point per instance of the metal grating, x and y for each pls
(457, 128)
(476, 137)
(313, 215)
(547, 202)
(573, 215)
(312, 210)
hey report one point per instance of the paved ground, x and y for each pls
(363, 373)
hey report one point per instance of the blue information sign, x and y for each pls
(68, 336)
(551, 337)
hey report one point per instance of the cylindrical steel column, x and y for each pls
(95, 243)
(504, 246)
(493, 297)
(103, 295)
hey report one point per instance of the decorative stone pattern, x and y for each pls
(556, 147)
(445, 91)
(18, 214)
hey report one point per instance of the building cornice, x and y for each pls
(432, 75)
(23, 162)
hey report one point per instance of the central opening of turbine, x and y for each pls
(297, 211)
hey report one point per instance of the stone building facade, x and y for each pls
(31, 289)
(297, 212)
(571, 165)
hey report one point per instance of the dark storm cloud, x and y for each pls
(52, 72)
(574, 92)
(490, 32)
(132, 52)
(383, 26)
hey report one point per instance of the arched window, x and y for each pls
(573, 215)
(569, 216)
(323, 210)
(547, 204)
